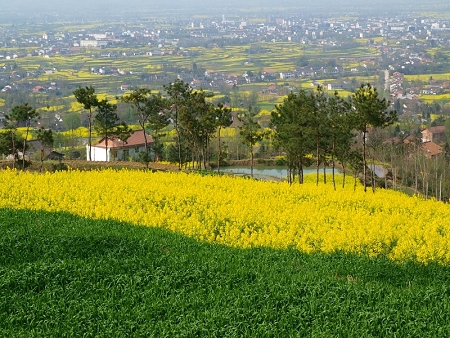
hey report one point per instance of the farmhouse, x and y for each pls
(119, 150)
(435, 134)
(337, 85)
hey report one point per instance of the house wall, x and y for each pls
(99, 154)
(426, 136)
(438, 137)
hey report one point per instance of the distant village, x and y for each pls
(413, 35)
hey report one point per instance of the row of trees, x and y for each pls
(313, 123)
(194, 120)
(306, 123)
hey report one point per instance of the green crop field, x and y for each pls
(63, 275)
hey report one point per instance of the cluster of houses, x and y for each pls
(412, 34)
(398, 90)
(431, 142)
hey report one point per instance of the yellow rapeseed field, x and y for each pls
(243, 212)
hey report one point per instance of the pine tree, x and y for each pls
(223, 120)
(45, 137)
(87, 97)
(291, 122)
(106, 121)
(370, 111)
(251, 133)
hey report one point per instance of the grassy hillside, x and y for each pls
(62, 275)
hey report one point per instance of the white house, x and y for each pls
(119, 150)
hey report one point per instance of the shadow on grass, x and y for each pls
(30, 236)
(62, 275)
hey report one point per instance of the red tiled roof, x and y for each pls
(135, 140)
(436, 129)
(431, 149)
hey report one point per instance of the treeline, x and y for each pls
(307, 128)
(314, 123)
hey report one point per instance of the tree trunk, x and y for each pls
(251, 161)
(178, 138)
(205, 155)
(415, 172)
(90, 134)
(14, 151)
(24, 146)
(343, 176)
(300, 172)
(318, 158)
(373, 173)
(106, 147)
(219, 150)
(364, 161)
(42, 158)
(332, 171)
(393, 175)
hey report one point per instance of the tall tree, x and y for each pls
(292, 131)
(340, 133)
(156, 112)
(21, 115)
(123, 132)
(87, 97)
(106, 121)
(370, 111)
(146, 105)
(319, 123)
(251, 132)
(199, 123)
(189, 124)
(223, 120)
(179, 92)
(45, 137)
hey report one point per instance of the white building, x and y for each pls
(118, 150)
(93, 43)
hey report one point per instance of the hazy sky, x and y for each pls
(99, 8)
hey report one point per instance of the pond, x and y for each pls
(269, 171)
(379, 170)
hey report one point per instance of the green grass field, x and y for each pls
(61, 275)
